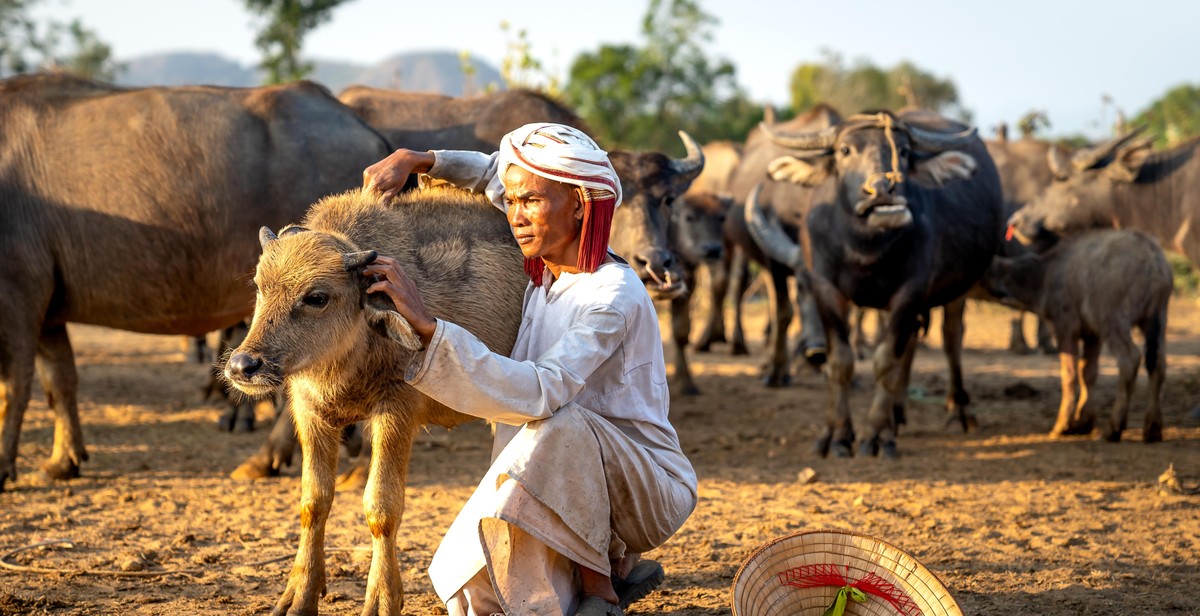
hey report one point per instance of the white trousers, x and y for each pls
(564, 491)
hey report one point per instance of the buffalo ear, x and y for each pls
(358, 260)
(1059, 161)
(266, 236)
(389, 324)
(797, 171)
(1127, 163)
(944, 167)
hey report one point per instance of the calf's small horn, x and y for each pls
(266, 236)
(359, 259)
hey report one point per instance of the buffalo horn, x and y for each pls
(694, 163)
(1090, 157)
(266, 236)
(292, 230)
(764, 227)
(933, 140)
(816, 141)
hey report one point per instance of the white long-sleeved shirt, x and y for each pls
(588, 338)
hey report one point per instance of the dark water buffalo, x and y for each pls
(136, 209)
(426, 121)
(792, 204)
(916, 221)
(721, 161)
(697, 239)
(1095, 286)
(1121, 183)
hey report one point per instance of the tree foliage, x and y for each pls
(27, 46)
(639, 96)
(863, 85)
(1032, 123)
(520, 68)
(1174, 117)
(281, 37)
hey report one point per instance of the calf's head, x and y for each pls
(311, 310)
(871, 156)
(1084, 193)
(698, 227)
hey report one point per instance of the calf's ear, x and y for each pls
(1059, 161)
(802, 172)
(945, 167)
(389, 324)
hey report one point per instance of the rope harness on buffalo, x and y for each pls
(894, 176)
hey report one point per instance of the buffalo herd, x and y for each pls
(141, 209)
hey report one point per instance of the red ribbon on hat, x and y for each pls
(828, 574)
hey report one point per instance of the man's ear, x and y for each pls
(797, 171)
(390, 324)
(945, 167)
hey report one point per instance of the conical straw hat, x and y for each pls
(785, 577)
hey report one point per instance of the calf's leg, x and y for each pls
(1154, 331)
(306, 583)
(1089, 371)
(16, 377)
(957, 399)
(383, 503)
(1068, 346)
(714, 320)
(681, 327)
(56, 367)
(777, 373)
(739, 281)
(278, 449)
(1128, 359)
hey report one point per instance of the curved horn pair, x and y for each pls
(818, 141)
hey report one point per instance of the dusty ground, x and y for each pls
(1012, 522)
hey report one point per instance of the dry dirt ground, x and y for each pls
(1011, 521)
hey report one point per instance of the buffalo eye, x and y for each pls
(904, 151)
(316, 299)
(844, 150)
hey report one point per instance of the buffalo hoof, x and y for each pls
(299, 599)
(777, 379)
(1152, 433)
(688, 388)
(889, 450)
(899, 415)
(226, 420)
(868, 448)
(257, 466)
(738, 349)
(842, 449)
(7, 471)
(1111, 434)
(355, 479)
(1018, 346)
(61, 469)
(821, 445)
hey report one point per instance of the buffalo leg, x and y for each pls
(739, 282)
(681, 326)
(56, 367)
(16, 369)
(893, 356)
(1089, 371)
(839, 429)
(777, 374)
(812, 347)
(355, 478)
(957, 399)
(714, 321)
(383, 503)
(278, 449)
(306, 583)
(1128, 359)
(1045, 337)
(1154, 331)
(1016, 335)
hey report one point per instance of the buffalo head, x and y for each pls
(650, 183)
(1084, 193)
(871, 156)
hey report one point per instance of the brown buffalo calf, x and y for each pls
(316, 333)
(1095, 288)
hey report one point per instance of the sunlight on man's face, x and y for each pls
(545, 216)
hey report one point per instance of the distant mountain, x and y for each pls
(431, 71)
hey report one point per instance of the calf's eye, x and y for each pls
(316, 299)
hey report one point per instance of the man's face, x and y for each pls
(545, 216)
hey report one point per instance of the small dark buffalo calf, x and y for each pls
(1095, 288)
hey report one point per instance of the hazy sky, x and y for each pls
(1006, 57)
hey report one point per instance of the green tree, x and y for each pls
(520, 68)
(287, 23)
(1032, 123)
(639, 96)
(1174, 117)
(864, 86)
(27, 46)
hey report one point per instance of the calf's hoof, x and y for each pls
(1152, 433)
(1111, 433)
(777, 378)
(296, 602)
(226, 420)
(739, 348)
(688, 389)
(868, 447)
(889, 450)
(7, 471)
(821, 445)
(61, 469)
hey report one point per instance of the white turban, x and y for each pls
(563, 154)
